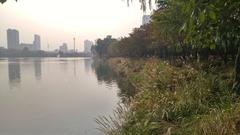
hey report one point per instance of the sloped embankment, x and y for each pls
(172, 100)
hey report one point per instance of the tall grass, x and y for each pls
(171, 100)
(112, 125)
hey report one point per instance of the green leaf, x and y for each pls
(202, 17)
(212, 15)
(212, 46)
(190, 24)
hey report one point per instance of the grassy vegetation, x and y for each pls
(175, 100)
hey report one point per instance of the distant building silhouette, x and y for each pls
(27, 46)
(37, 42)
(63, 48)
(87, 46)
(13, 42)
(146, 19)
(13, 39)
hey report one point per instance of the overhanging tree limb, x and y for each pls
(3, 1)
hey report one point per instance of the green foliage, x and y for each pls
(168, 21)
(136, 45)
(183, 28)
(101, 47)
(214, 24)
(211, 27)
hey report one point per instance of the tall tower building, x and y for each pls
(12, 39)
(37, 42)
(87, 46)
(146, 19)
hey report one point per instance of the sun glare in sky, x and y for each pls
(58, 21)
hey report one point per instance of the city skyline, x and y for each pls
(13, 42)
(64, 23)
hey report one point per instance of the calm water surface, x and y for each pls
(53, 96)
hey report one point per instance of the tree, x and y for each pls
(3, 1)
(138, 44)
(101, 46)
(206, 25)
(144, 3)
(215, 25)
(167, 22)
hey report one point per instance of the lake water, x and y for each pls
(54, 96)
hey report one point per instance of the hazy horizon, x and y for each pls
(59, 21)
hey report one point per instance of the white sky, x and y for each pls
(58, 21)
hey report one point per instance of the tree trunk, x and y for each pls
(236, 86)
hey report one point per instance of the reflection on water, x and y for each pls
(104, 72)
(14, 73)
(88, 65)
(57, 96)
(63, 65)
(37, 68)
(54, 96)
(106, 75)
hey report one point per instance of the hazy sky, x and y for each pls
(58, 21)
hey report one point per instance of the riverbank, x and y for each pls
(175, 100)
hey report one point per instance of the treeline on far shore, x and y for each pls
(27, 53)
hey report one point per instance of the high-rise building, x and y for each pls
(87, 46)
(63, 48)
(37, 42)
(13, 39)
(146, 19)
